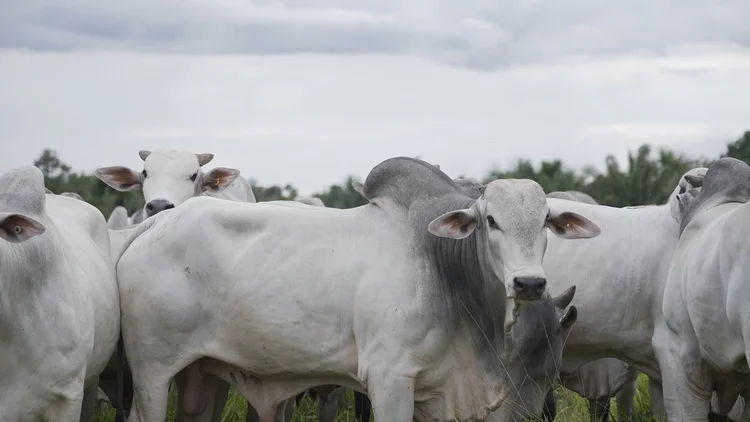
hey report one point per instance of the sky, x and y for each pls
(308, 92)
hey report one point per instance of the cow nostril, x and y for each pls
(150, 206)
(530, 283)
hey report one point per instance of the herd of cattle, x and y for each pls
(438, 300)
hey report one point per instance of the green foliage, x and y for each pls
(740, 149)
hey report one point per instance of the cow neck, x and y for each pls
(471, 296)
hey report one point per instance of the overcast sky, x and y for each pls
(308, 91)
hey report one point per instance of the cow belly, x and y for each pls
(249, 325)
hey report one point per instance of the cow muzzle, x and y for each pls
(529, 288)
(157, 205)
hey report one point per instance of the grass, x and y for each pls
(570, 408)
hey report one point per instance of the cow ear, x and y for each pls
(219, 179)
(562, 301)
(569, 225)
(204, 158)
(119, 178)
(569, 318)
(17, 228)
(455, 224)
(358, 187)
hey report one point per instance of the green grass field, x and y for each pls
(570, 408)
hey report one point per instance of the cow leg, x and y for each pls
(150, 398)
(252, 414)
(288, 410)
(299, 398)
(362, 407)
(626, 396)
(328, 405)
(599, 409)
(90, 398)
(691, 383)
(657, 400)
(549, 411)
(392, 397)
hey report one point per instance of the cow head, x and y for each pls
(538, 340)
(169, 178)
(687, 188)
(512, 216)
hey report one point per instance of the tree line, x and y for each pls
(649, 178)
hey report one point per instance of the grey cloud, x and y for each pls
(510, 32)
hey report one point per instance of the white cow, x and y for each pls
(118, 219)
(330, 399)
(170, 177)
(404, 298)
(707, 294)
(620, 275)
(59, 307)
(600, 380)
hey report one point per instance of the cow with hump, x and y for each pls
(706, 297)
(404, 298)
(59, 304)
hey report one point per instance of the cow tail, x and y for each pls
(119, 402)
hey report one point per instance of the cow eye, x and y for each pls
(546, 219)
(145, 175)
(193, 177)
(491, 221)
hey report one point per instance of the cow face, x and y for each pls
(514, 215)
(169, 178)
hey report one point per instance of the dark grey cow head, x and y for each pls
(22, 204)
(169, 178)
(539, 338)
